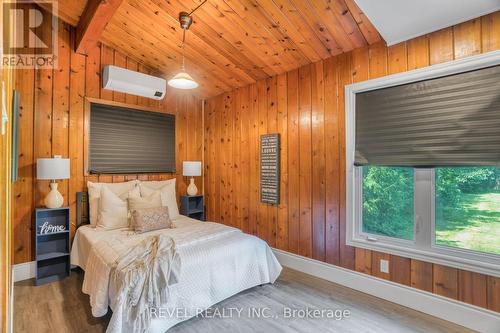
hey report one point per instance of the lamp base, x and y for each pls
(192, 189)
(54, 199)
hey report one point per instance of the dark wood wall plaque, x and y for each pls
(270, 168)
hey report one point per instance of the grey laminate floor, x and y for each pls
(61, 307)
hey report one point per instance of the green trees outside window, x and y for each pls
(467, 205)
(388, 201)
(468, 208)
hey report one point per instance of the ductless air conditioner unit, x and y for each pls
(134, 83)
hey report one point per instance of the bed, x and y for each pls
(217, 262)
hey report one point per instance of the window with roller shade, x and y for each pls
(123, 140)
(448, 121)
(425, 159)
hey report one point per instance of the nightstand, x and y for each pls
(193, 206)
(52, 244)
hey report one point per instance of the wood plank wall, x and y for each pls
(52, 123)
(7, 77)
(306, 106)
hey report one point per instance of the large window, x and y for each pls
(468, 208)
(447, 214)
(422, 164)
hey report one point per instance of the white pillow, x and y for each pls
(138, 202)
(94, 192)
(113, 211)
(167, 192)
(157, 184)
(134, 193)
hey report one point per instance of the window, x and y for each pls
(468, 208)
(388, 201)
(466, 213)
(448, 215)
(125, 140)
(422, 164)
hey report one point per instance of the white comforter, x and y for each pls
(217, 262)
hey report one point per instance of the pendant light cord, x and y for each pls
(184, 37)
(183, 49)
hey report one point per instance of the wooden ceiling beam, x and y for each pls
(95, 17)
(60, 13)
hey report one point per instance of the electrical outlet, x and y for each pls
(384, 266)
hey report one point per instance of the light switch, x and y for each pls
(384, 266)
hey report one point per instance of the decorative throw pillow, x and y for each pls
(149, 219)
(167, 192)
(113, 211)
(94, 192)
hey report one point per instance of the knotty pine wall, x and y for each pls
(52, 123)
(306, 106)
(7, 78)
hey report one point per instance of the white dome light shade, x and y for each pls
(183, 81)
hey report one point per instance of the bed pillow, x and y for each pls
(94, 192)
(134, 193)
(167, 192)
(113, 210)
(149, 219)
(157, 184)
(138, 202)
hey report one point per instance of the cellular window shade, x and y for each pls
(447, 121)
(130, 141)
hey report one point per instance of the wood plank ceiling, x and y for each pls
(232, 43)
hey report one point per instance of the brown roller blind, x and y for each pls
(130, 141)
(447, 121)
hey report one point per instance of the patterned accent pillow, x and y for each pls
(149, 219)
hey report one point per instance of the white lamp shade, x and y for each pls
(52, 168)
(191, 168)
(183, 81)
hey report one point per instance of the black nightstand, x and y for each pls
(52, 244)
(193, 206)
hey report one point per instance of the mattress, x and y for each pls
(217, 262)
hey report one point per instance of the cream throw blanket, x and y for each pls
(142, 277)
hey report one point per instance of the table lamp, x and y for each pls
(191, 169)
(53, 169)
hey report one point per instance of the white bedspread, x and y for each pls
(217, 262)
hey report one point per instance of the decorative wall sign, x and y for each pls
(48, 228)
(270, 168)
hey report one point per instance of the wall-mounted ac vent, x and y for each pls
(135, 83)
